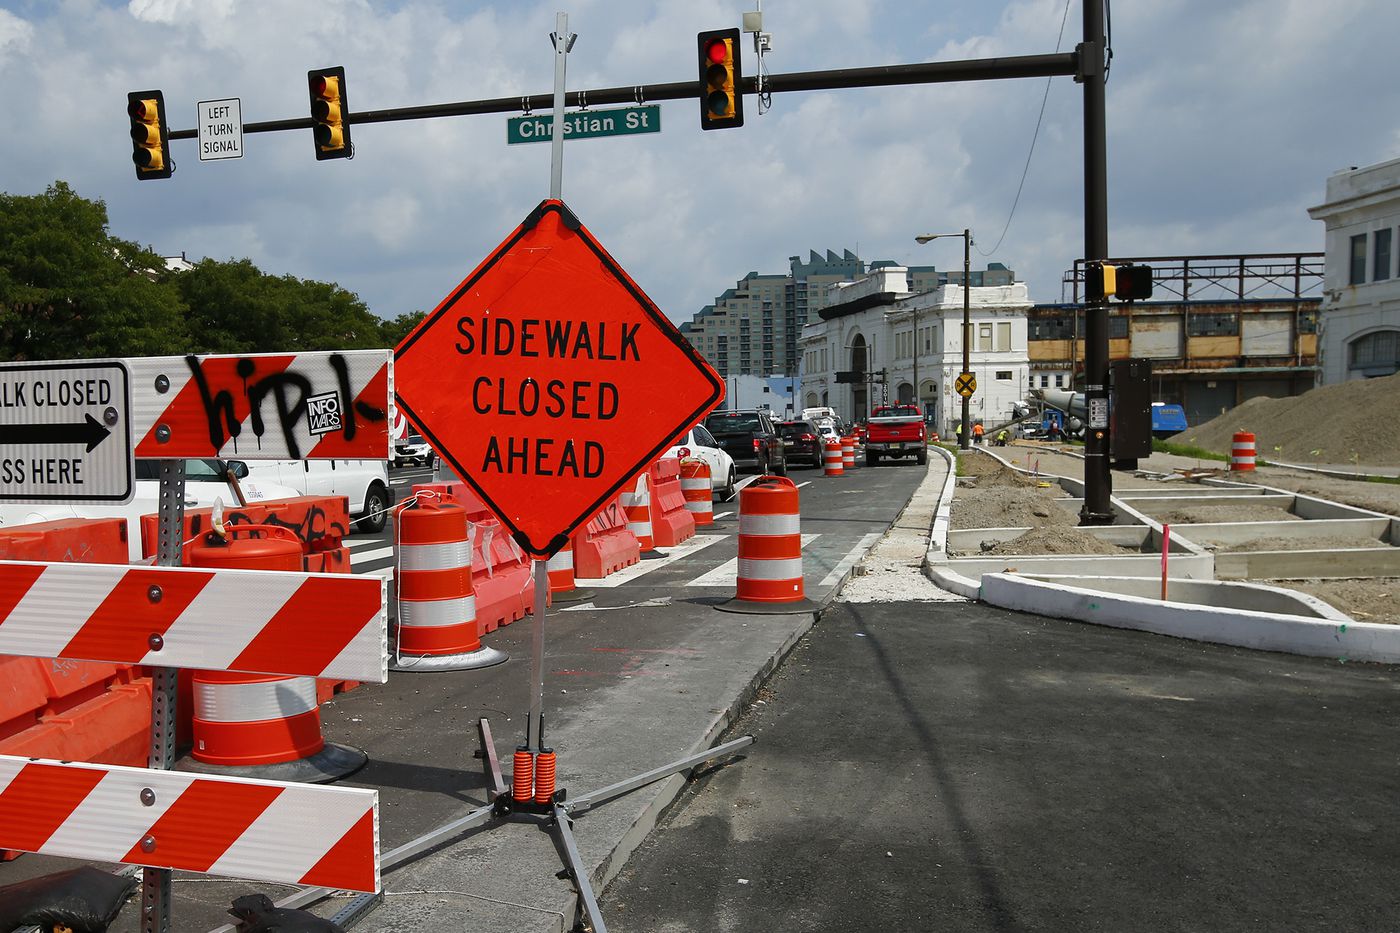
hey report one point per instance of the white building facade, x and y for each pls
(873, 335)
(1359, 323)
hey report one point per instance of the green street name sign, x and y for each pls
(586, 124)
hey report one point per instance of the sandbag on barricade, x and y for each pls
(84, 900)
(671, 521)
(320, 523)
(604, 545)
(501, 576)
(257, 914)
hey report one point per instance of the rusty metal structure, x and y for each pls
(1222, 277)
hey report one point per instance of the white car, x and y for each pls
(701, 444)
(411, 450)
(205, 481)
(364, 482)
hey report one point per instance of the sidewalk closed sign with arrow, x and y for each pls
(65, 432)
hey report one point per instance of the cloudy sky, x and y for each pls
(1225, 118)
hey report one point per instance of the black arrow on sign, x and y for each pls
(90, 432)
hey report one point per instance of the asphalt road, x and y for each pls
(943, 766)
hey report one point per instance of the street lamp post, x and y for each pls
(964, 437)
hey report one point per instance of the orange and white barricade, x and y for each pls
(848, 453)
(261, 725)
(697, 485)
(437, 626)
(1242, 453)
(832, 457)
(770, 549)
(637, 506)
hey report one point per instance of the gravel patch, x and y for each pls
(1209, 514)
(1054, 541)
(1286, 543)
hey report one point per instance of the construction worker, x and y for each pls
(1001, 438)
(958, 433)
(977, 432)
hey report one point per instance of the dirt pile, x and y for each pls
(1054, 541)
(991, 496)
(1344, 423)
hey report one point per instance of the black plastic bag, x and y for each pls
(256, 914)
(84, 899)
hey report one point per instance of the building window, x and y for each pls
(1358, 259)
(1051, 328)
(1307, 322)
(1117, 327)
(1380, 256)
(984, 338)
(1059, 380)
(1225, 324)
(1003, 336)
(1045, 382)
(1004, 375)
(1378, 352)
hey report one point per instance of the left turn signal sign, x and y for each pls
(150, 137)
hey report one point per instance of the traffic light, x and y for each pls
(1124, 281)
(150, 137)
(329, 109)
(721, 103)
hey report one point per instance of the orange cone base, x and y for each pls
(331, 763)
(768, 607)
(463, 661)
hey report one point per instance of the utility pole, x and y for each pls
(967, 336)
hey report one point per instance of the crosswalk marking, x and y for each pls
(847, 562)
(727, 573)
(376, 554)
(627, 574)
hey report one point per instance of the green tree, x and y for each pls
(236, 308)
(398, 328)
(69, 289)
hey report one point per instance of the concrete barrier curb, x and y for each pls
(1262, 631)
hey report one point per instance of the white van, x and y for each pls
(205, 482)
(364, 482)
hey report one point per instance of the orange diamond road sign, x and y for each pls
(548, 380)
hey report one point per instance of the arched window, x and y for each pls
(1375, 354)
(905, 394)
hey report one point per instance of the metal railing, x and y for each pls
(1224, 277)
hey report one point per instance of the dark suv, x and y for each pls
(802, 441)
(751, 439)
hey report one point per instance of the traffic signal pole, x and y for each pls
(1098, 480)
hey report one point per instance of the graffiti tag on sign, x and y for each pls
(312, 406)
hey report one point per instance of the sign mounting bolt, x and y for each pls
(148, 799)
(154, 593)
(110, 416)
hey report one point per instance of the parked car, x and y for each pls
(698, 442)
(205, 482)
(751, 438)
(413, 450)
(364, 482)
(802, 441)
(896, 431)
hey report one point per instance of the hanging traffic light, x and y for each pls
(721, 103)
(329, 110)
(1124, 281)
(150, 138)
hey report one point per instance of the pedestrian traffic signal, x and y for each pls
(1124, 281)
(329, 110)
(721, 103)
(150, 138)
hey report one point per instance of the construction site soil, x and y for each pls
(1371, 600)
(1329, 424)
(1176, 514)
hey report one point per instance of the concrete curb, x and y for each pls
(1261, 631)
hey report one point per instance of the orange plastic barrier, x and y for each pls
(831, 458)
(770, 542)
(72, 710)
(604, 545)
(848, 452)
(671, 521)
(636, 505)
(698, 490)
(501, 573)
(319, 523)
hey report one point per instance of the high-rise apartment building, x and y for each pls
(752, 329)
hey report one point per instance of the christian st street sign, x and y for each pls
(586, 124)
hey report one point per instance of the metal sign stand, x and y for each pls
(155, 882)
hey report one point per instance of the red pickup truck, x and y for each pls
(895, 431)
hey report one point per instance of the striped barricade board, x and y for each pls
(329, 625)
(237, 827)
(272, 406)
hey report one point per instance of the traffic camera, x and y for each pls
(721, 103)
(329, 112)
(150, 138)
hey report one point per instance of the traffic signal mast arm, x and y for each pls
(1019, 66)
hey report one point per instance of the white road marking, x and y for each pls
(370, 555)
(643, 567)
(718, 515)
(800, 485)
(727, 573)
(849, 561)
(644, 604)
